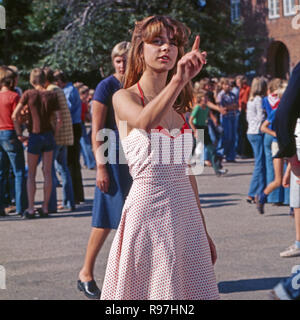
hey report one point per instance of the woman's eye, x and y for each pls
(157, 41)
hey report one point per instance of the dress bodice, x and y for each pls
(158, 155)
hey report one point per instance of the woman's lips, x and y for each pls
(164, 58)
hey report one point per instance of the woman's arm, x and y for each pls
(128, 108)
(98, 123)
(287, 176)
(216, 107)
(210, 242)
(196, 192)
(15, 116)
(264, 128)
(192, 124)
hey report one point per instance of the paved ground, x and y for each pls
(42, 257)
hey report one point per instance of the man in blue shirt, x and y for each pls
(74, 104)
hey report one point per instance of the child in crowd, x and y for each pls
(198, 120)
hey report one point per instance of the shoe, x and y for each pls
(28, 215)
(290, 252)
(10, 209)
(250, 200)
(60, 207)
(41, 213)
(207, 163)
(89, 288)
(259, 205)
(221, 172)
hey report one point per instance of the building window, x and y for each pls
(235, 10)
(289, 8)
(274, 9)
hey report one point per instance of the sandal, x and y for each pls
(250, 200)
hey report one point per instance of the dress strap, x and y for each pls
(182, 116)
(141, 93)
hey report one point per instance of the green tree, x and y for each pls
(77, 36)
(12, 39)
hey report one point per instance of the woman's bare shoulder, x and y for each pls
(126, 95)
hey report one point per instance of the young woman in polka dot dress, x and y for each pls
(161, 250)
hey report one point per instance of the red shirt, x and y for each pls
(244, 96)
(84, 110)
(8, 103)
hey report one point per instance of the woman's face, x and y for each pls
(161, 53)
(119, 63)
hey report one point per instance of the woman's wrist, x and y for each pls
(176, 80)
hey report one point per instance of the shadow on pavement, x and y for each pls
(213, 203)
(248, 285)
(211, 195)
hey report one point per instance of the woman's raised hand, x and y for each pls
(191, 63)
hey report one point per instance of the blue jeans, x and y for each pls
(60, 164)
(86, 149)
(238, 136)
(258, 182)
(11, 150)
(227, 141)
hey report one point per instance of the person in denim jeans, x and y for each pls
(271, 102)
(278, 164)
(63, 139)
(74, 104)
(11, 148)
(227, 100)
(41, 105)
(255, 117)
(85, 140)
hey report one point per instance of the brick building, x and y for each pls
(275, 25)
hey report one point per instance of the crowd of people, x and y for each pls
(237, 118)
(236, 115)
(48, 122)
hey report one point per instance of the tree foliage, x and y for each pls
(77, 36)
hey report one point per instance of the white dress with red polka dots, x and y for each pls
(160, 250)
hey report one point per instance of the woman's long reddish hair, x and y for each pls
(145, 31)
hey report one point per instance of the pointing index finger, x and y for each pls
(196, 44)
